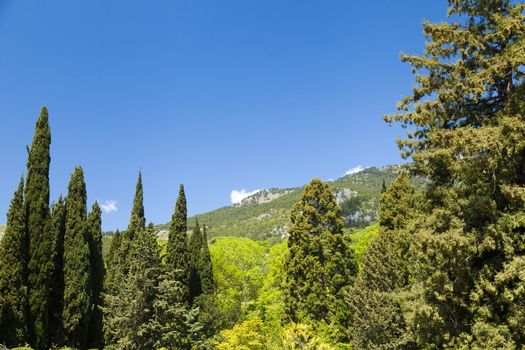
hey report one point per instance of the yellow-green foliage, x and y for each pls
(244, 336)
(360, 239)
(298, 336)
(238, 270)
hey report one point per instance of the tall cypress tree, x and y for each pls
(113, 263)
(194, 247)
(58, 219)
(96, 336)
(320, 266)
(177, 255)
(205, 265)
(137, 221)
(13, 274)
(39, 230)
(77, 281)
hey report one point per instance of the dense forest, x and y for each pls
(442, 268)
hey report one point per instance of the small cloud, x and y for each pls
(237, 196)
(354, 170)
(109, 206)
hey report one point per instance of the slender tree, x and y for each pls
(39, 231)
(177, 255)
(58, 219)
(13, 274)
(77, 269)
(201, 276)
(319, 267)
(113, 263)
(96, 336)
(137, 221)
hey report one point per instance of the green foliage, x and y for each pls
(96, 337)
(137, 221)
(298, 336)
(177, 253)
(77, 269)
(13, 274)
(265, 215)
(201, 274)
(129, 312)
(397, 204)
(58, 219)
(39, 231)
(467, 126)
(244, 336)
(320, 266)
(360, 240)
(238, 269)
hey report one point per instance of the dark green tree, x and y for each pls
(177, 254)
(320, 266)
(129, 313)
(77, 269)
(467, 126)
(113, 263)
(96, 336)
(137, 221)
(201, 276)
(39, 231)
(13, 274)
(58, 219)
(374, 301)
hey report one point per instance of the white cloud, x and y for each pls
(109, 206)
(355, 170)
(237, 196)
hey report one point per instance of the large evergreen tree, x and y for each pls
(129, 313)
(177, 254)
(320, 266)
(137, 221)
(374, 301)
(467, 126)
(77, 269)
(113, 263)
(95, 332)
(39, 231)
(13, 274)
(58, 219)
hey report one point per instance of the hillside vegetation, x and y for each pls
(266, 214)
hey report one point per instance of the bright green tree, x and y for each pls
(58, 219)
(13, 274)
(39, 231)
(77, 269)
(177, 253)
(320, 266)
(467, 126)
(96, 336)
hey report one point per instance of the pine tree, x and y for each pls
(58, 219)
(96, 336)
(39, 231)
(77, 271)
(201, 276)
(467, 122)
(177, 254)
(320, 266)
(13, 274)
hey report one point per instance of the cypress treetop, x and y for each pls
(177, 254)
(39, 231)
(77, 269)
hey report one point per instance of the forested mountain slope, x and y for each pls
(265, 214)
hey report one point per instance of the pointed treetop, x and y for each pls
(137, 221)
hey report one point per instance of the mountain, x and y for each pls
(266, 214)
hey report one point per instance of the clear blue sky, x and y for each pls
(218, 95)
